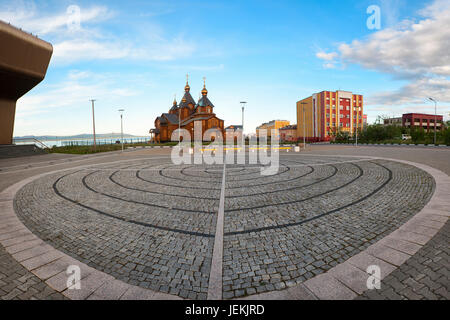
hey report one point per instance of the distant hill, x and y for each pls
(78, 136)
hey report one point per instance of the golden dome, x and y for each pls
(187, 87)
(204, 91)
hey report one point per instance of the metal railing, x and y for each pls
(88, 142)
(34, 141)
(78, 142)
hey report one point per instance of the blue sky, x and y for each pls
(135, 55)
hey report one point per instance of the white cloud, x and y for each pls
(27, 17)
(164, 50)
(79, 74)
(416, 51)
(77, 49)
(422, 48)
(209, 68)
(329, 58)
(416, 92)
(76, 89)
(329, 65)
(90, 42)
(326, 56)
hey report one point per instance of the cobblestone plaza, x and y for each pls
(152, 225)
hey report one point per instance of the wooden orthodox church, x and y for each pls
(184, 114)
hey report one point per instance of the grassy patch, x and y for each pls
(85, 149)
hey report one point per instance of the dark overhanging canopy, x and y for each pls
(24, 60)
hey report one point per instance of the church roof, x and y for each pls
(174, 105)
(161, 120)
(172, 118)
(189, 120)
(187, 98)
(204, 101)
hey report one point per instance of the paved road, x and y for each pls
(271, 265)
(431, 156)
(15, 281)
(426, 275)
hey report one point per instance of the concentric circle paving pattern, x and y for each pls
(152, 224)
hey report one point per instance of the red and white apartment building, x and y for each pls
(322, 114)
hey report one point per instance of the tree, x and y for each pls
(417, 134)
(392, 132)
(446, 136)
(341, 135)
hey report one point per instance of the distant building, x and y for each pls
(416, 120)
(272, 125)
(397, 121)
(364, 120)
(328, 112)
(233, 130)
(234, 127)
(288, 133)
(422, 120)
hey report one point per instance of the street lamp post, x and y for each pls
(121, 126)
(243, 106)
(93, 123)
(435, 118)
(179, 116)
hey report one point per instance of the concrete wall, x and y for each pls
(23, 64)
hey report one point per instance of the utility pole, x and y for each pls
(93, 124)
(304, 125)
(121, 126)
(435, 118)
(243, 106)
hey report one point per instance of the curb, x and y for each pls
(440, 146)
